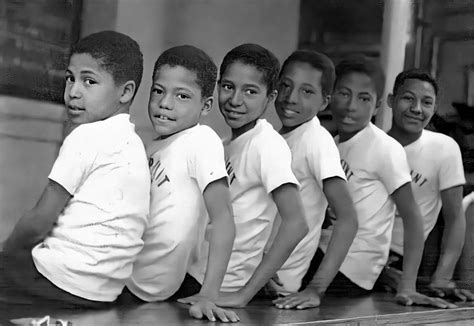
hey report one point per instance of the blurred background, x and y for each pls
(35, 35)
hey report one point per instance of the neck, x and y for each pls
(240, 131)
(403, 137)
(345, 136)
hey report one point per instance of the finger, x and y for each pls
(195, 312)
(283, 299)
(404, 300)
(293, 302)
(468, 294)
(285, 302)
(220, 313)
(186, 300)
(233, 317)
(438, 292)
(309, 304)
(458, 294)
(208, 313)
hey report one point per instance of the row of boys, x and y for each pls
(227, 220)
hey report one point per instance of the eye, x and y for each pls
(365, 99)
(284, 85)
(156, 91)
(183, 96)
(69, 79)
(408, 98)
(227, 87)
(307, 91)
(428, 103)
(251, 91)
(90, 81)
(343, 94)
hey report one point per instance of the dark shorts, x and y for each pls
(340, 286)
(20, 280)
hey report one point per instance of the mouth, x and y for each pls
(233, 114)
(75, 109)
(161, 117)
(347, 120)
(412, 118)
(288, 112)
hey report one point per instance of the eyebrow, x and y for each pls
(179, 88)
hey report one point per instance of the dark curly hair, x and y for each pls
(193, 59)
(117, 53)
(318, 61)
(364, 65)
(257, 56)
(414, 74)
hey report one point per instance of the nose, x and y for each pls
(416, 107)
(292, 95)
(166, 102)
(74, 90)
(352, 105)
(236, 98)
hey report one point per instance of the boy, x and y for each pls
(261, 180)
(437, 175)
(379, 179)
(306, 82)
(77, 245)
(189, 183)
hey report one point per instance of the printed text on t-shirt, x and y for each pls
(417, 178)
(347, 169)
(230, 171)
(158, 175)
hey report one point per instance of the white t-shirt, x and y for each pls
(436, 165)
(258, 162)
(182, 166)
(90, 251)
(315, 158)
(375, 165)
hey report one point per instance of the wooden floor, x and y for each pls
(378, 309)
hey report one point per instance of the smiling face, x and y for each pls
(354, 102)
(243, 97)
(413, 106)
(91, 93)
(175, 101)
(300, 95)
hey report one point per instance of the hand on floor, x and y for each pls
(409, 298)
(233, 299)
(202, 307)
(305, 299)
(448, 289)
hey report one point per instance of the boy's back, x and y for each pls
(375, 166)
(436, 164)
(182, 165)
(314, 158)
(255, 163)
(90, 251)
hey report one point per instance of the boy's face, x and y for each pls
(91, 93)
(300, 96)
(242, 96)
(175, 101)
(413, 106)
(354, 102)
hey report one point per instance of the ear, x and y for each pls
(207, 105)
(326, 101)
(377, 106)
(272, 96)
(128, 89)
(390, 100)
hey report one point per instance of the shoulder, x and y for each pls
(439, 139)
(266, 136)
(384, 141)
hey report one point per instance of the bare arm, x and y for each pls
(453, 234)
(345, 229)
(216, 197)
(413, 241)
(292, 229)
(38, 222)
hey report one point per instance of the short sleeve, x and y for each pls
(323, 158)
(392, 168)
(206, 160)
(451, 171)
(275, 162)
(74, 160)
